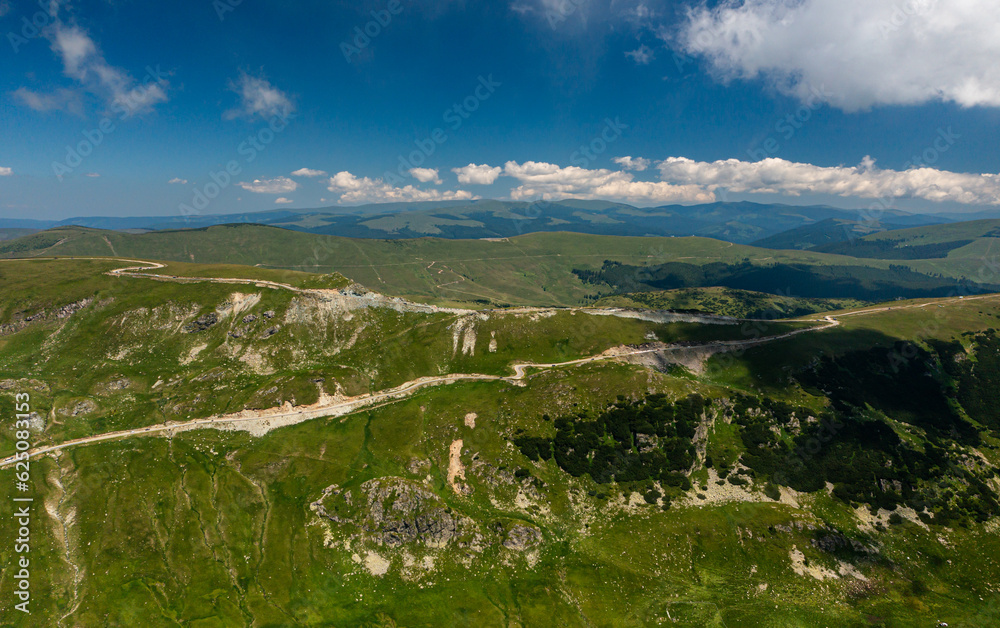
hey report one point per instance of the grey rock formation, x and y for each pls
(522, 537)
(202, 323)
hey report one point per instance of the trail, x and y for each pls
(265, 420)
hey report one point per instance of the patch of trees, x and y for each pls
(904, 382)
(802, 280)
(628, 442)
(864, 459)
(977, 376)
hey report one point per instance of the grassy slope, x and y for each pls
(940, 233)
(534, 269)
(214, 529)
(727, 302)
(134, 330)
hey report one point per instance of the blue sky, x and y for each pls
(551, 96)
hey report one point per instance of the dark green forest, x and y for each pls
(801, 280)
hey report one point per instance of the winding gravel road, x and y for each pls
(288, 415)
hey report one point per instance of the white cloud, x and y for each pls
(777, 176)
(856, 53)
(477, 175)
(426, 175)
(259, 98)
(60, 100)
(641, 55)
(5, 172)
(632, 163)
(308, 172)
(83, 62)
(93, 175)
(282, 201)
(554, 12)
(178, 180)
(552, 182)
(353, 189)
(279, 185)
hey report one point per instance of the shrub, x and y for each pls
(772, 491)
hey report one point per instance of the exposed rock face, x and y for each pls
(119, 384)
(35, 422)
(522, 537)
(83, 407)
(395, 511)
(418, 466)
(202, 323)
(63, 312)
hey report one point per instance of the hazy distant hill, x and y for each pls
(829, 231)
(742, 222)
(533, 269)
(931, 242)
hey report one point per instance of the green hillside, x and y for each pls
(534, 269)
(954, 240)
(824, 232)
(842, 476)
(727, 302)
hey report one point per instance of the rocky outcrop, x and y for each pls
(85, 406)
(201, 323)
(398, 513)
(395, 511)
(60, 313)
(522, 537)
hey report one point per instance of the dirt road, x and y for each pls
(264, 420)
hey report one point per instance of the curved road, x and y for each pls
(353, 404)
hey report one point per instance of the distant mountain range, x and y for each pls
(767, 225)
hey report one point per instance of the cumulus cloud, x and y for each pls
(5, 172)
(308, 172)
(282, 201)
(83, 62)
(854, 54)
(426, 175)
(553, 182)
(477, 175)
(354, 189)
(258, 98)
(632, 163)
(777, 176)
(178, 180)
(279, 185)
